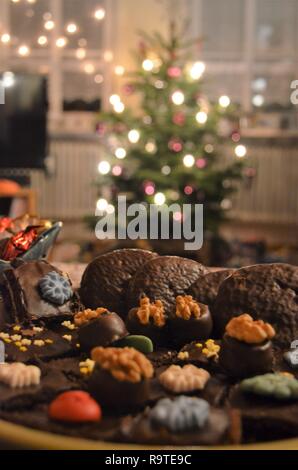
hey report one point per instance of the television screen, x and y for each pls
(23, 126)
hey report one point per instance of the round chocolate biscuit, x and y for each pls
(164, 278)
(205, 288)
(267, 292)
(106, 278)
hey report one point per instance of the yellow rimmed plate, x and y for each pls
(20, 437)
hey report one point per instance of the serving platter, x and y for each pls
(13, 436)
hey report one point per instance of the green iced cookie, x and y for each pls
(278, 386)
(141, 343)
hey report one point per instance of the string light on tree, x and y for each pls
(99, 14)
(240, 151)
(148, 65)
(224, 101)
(108, 56)
(102, 205)
(178, 97)
(42, 40)
(166, 170)
(5, 38)
(149, 188)
(24, 50)
(188, 190)
(72, 28)
(188, 161)
(98, 79)
(89, 68)
(61, 42)
(159, 199)
(119, 70)
(201, 117)
(197, 70)
(104, 167)
(49, 25)
(258, 100)
(81, 53)
(114, 99)
(120, 153)
(119, 107)
(150, 147)
(209, 148)
(134, 136)
(117, 170)
(110, 209)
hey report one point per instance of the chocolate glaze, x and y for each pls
(184, 331)
(240, 359)
(116, 395)
(102, 331)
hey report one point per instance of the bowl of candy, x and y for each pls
(26, 238)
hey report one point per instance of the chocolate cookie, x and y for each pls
(164, 278)
(23, 296)
(267, 292)
(106, 278)
(205, 288)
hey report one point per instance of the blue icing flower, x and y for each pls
(181, 414)
(55, 288)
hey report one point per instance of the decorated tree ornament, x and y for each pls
(174, 72)
(179, 118)
(175, 145)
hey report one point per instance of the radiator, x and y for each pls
(271, 196)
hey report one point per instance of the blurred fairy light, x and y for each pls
(258, 100)
(159, 199)
(166, 170)
(99, 14)
(188, 161)
(49, 25)
(104, 167)
(117, 170)
(108, 56)
(98, 79)
(71, 28)
(42, 40)
(61, 42)
(224, 101)
(119, 107)
(120, 153)
(148, 65)
(150, 147)
(201, 117)
(102, 205)
(89, 68)
(209, 148)
(240, 151)
(119, 70)
(197, 70)
(178, 97)
(114, 99)
(24, 50)
(134, 136)
(5, 38)
(81, 53)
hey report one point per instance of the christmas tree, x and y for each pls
(166, 149)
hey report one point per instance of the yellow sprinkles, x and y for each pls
(211, 349)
